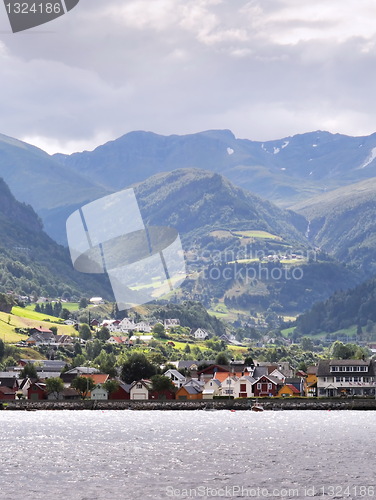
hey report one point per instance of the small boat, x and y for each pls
(257, 407)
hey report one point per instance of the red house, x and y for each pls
(266, 385)
(161, 395)
(37, 391)
(121, 394)
(7, 394)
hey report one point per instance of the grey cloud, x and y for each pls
(203, 64)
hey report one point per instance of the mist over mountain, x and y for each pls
(31, 262)
(35, 178)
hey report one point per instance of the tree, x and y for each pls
(249, 361)
(2, 349)
(103, 333)
(221, 359)
(307, 344)
(65, 313)
(83, 385)
(83, 303)
(137, 367)
(54, 386)
(29, 371)
(162, 383)
(187, 349)
(53, 329)
(159, 331)
(84, 331)
(111, 386)
(77, 348)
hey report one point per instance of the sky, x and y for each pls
(265, 69)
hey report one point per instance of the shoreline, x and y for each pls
(173, 405)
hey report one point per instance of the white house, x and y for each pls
(228, 386)
(176, 377)
(171, 322)
(126, 325)
(243, 387)
(200, 333)
(96, 300)
(142, 326)
(99, 393)
(212, 388)
(140, 389)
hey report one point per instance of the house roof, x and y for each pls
(6, 390)
(8, 382)
(312, 370)
(41, 329)
(81, 369)
(175, 373)
(191, 389)
(293, 388)
(274, 380)
(323, 367)
(145, 382)
(98, 378)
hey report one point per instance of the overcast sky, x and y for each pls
(265, 69)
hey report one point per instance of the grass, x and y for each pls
(29, 313)
(262, 235)
(8, 323)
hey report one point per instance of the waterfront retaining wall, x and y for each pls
(236, 404)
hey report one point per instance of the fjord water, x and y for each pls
(110, 455)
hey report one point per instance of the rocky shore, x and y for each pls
(239, 404)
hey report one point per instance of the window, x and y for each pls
(139, 386)
(270, 387)
(259, 386)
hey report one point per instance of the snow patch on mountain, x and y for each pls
(370, 158)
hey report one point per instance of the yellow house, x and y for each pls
(191, 390)
(311, 381)
(288, 390)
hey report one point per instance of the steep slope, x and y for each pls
(230, 235)
(197, 202)
(344, 309)
(30, 261)
(343, 223)
(284, 170)
(34, 177)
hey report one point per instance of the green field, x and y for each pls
(226, 233)
(264, 235)
(29, 313)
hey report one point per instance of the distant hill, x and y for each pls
(34, 177)
(224, 223)
(356, 306)
(197, 202)
(343, 223)
(284, 171)
(30, 261)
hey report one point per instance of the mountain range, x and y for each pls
(210, 186)
(285, 171)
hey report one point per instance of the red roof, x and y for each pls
(99, 378)
(6, 390)
(293, 388)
